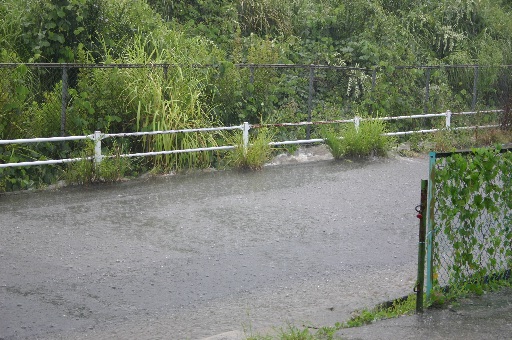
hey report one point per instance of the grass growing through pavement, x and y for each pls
(399, 307)
(395, 309)
(295, 333)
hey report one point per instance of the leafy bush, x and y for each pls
(32, 177)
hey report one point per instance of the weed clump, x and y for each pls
(367, 140)
(403, 306)
(112, 168)
(253, 156)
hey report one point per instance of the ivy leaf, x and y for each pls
(78, 30)
(478, 200)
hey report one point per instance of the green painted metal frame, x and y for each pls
(421, 248)
(430, 221)
(433, 156)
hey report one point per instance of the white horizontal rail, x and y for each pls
(128, 134)
(475, 112)
(43, 140)
(403, 133)
(97, 137)
(318, 122)
(301, 141)
(157, 153)
(50, 161)
(428, 115)
(476, 127)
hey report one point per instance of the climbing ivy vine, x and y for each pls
(473, 218)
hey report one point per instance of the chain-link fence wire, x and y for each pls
(51, 100)
(31, 102)
(472, 219)
(45, 100)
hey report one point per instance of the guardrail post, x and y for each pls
(245, 136)
(448, 119)
(357, 120)
(97, 147)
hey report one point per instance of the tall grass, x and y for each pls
(256, 154)
(367, 140)
(171, 101)
(153, 99)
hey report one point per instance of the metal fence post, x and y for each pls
(427, 91)
(245, 136)
(421, 247)
(310, 98)
(430, 221)
(372, 95)
(64, 101)
(374, 78)
(97, 148)
(166, 71)
(251, 79)
(448, 119)
(475, 88)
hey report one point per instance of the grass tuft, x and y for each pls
(403, 306)
(255, 156)
(366, 141)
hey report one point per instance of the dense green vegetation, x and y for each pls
(360, 34)
(471, 217)
(367, 139)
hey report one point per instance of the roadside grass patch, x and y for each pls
(112, 168)
(391, 309)
(257, 153)
(305, 333)
(365, 141)
(449, 140)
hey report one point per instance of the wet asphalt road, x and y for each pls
(192, 256)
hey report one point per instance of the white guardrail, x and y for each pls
(97, 137)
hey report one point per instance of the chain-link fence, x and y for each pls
(469, 238)
(43, 100)
(50, 100)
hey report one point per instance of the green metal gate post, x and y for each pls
(421, 247)
(430, 221)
